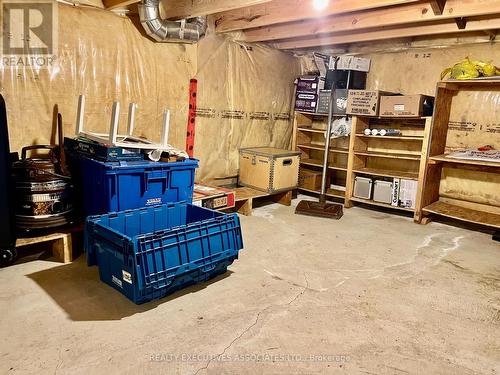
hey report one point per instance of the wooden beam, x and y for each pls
(397, 15)
(410, 30)
(279, 11)
(193, 8)
(491, 33)
(461, 22)
(438, 6)
(113, 4)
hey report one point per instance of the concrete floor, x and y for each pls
(372, 293)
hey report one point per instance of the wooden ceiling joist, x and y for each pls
(410, 30)
(397, 15)
(280, 11)
(177, 9)
(193, 8)
(438, 6)
(114, 4)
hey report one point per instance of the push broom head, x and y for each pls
(320, 209)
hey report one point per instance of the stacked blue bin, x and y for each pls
(142, 231)
(151, 252)
(123, 185)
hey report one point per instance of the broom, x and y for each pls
(322, 208)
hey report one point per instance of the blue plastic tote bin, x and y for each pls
(124, 185)
(150, 252)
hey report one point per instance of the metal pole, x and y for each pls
(79, 115)
(324, 177)
(131, 118)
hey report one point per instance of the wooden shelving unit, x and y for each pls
(433, 202)
(309, 138)
(387, 157)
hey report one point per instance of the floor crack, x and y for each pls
(301, 292)
(257, 317)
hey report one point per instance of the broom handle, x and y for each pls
(322, 195)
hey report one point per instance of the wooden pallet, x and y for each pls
(61, 243)
(245, 196)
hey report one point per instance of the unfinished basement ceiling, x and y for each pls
(304, 24)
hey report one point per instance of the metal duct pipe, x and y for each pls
(188, 30)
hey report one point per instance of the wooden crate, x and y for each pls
(269, 169)
(62, 243)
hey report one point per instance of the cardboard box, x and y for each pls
(359, 64)
(340, 101)
(310, 84)
(324, 101)
(309, 179)
(365, 102)
(407, 193)
(269, 169)
(213, 197)
(322, 61)
(395, 192)
(306, 102)
(406, 106)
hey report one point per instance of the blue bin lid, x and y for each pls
(142, 164)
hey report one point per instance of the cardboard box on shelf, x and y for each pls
(324, 101)
(365, 102)
(406, 106)
(395, 192)
(310, 84)
(359, 64)
(340, 101)
(306, 102)
(322, 61)
(407, 193)
(309, 179)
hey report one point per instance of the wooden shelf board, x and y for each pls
(311, 130)
(319, 163)
(401, 138)
(394, 117)
(464, 214)
(456, 84)
(329, 192)
(387, 173)
(244, 193)
(388, 155)
(317, 114)
(322, 148)
(379, 204)
(445, 159)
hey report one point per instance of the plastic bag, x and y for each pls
(341, 127)
(470, 69)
